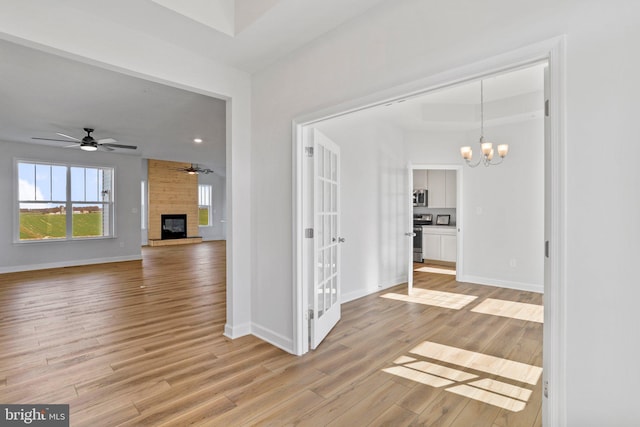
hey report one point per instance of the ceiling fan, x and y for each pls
(194, 169)
(88, 143)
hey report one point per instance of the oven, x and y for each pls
(417, 243)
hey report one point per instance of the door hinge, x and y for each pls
(546, 389)
(308, 151)
(546, 108)
(546, 249)
(310, 314)
(308, 233)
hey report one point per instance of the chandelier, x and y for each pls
(486, 147)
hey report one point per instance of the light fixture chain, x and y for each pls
(481, 111)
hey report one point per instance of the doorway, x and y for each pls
(437, 217)
(553, 52)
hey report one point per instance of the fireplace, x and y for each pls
(174, 226)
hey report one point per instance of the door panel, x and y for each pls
(326, 248)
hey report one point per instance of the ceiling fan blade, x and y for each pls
(70, 137)
(71, 146)
(50, 139)
(106, 141)
(106, 147)
(130, 147)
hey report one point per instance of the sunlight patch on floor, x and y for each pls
(480, 362)
(435, 298)
(438, 270)
(512, 309)
(487, 390)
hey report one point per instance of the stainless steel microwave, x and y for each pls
(420, 197)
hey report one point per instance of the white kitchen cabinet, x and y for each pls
(448, 247)
(436, 188)
(450, 192)
(420, 181)
(439, 243)
(442, 188)
(430, 245)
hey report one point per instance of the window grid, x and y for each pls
(87, 195)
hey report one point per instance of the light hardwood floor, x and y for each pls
(140, 344)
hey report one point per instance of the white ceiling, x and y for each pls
(41, 94)
(509, 97)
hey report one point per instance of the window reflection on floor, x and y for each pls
(469, 384)
(512, 309)
(437, 270)
(435, 298)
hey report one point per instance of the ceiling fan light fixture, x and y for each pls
(197, 140)
(88, 147)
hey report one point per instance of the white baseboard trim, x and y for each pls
(74, 263)
(273, 338)
(529, 287)
(234, 332)
(354, 295)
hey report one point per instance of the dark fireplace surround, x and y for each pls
(174, 226)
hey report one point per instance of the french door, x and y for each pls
(325, 292)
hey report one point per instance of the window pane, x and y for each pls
(88, 220)
(143, 208)
(203, 216)
(91, 184)
(26, 181)
(42, 221)
(77, 184)
(58, 183)
(43, 182)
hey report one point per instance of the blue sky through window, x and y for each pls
(47, 183)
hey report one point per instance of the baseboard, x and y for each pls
(74, 263)
(354, 295)
(529, 287)
(273, 338)
(234, 332)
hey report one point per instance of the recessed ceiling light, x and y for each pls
(197, 140)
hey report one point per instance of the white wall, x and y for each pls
(217, 230)
(30, 256)
(502, 213)
(404, 40)
(374, 206)
(54, 28)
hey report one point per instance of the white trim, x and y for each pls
(552, 50)
(459, 208)
(487, 281)
(273, 338)
(31, 267)
(300, 344)
(555, 346)
(352, 296)
(237, 331)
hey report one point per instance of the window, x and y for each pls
(143, 205)
(58, 202)
(204, 205)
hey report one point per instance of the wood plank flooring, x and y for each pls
(140, 344)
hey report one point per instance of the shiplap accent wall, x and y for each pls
(171, 191)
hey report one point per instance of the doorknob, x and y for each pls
(340, 239)
(410, 234)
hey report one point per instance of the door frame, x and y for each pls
(551, 50)
(459, 229)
